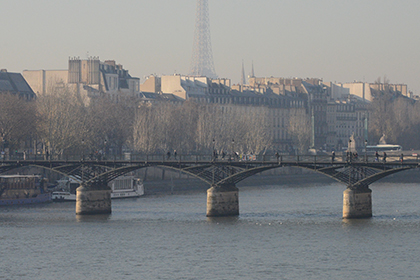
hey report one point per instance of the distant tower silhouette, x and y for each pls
(202, 58)
(243, 78)
(252, 71)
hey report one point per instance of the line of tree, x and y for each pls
(191, 127)
(396, 117)
(64, 122)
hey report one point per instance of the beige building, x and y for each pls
(346, 118)
(347, 114)
(152, 84)
(366, 91)
(43, 81)
(89, 78)
(310, 90)
(187, 87)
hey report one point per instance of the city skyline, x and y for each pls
(338, 41)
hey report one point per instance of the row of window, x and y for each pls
(122, 184)
(258, 101)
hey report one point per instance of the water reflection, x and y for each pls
(223, 220)
(347, 223)
(93, 218)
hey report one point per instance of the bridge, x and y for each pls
(222, 175)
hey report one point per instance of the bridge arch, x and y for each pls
(212, 173)
(222, 176)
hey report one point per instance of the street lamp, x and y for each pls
(233, 148)
(83, 156)
(105, 148)
(214, 152)
(3, 154)
(349, 150)
(83, 150)
(366, 159)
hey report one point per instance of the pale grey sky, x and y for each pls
(337, 40)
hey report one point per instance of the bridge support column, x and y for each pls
(357, 203)
(222, 201)
(92, 200)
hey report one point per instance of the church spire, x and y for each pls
(243, 79)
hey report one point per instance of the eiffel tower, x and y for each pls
(202, 57)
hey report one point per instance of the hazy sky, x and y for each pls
(336, 40)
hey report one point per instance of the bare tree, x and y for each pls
(111, 122)
(62, 120)
(256, 126)
(183, 127)
(150, 125)
(244, 129)
(17, 120)
(300, 130)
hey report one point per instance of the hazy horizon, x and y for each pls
(336, 40)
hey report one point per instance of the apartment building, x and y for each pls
(88, 77)
(14, 83)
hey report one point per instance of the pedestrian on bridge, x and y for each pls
(377, 156)
(332, 156)
(215, 155)
(384, 157)
(348, 156)
(168, 155)
(402, 158)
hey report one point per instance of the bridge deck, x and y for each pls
(353, 172)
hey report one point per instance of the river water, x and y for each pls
(283, 232)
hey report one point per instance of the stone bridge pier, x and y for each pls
(222, 200)
(357, 202)
(94, 198)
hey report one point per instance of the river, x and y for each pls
(283, 232)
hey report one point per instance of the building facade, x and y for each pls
(90, 78)
(280, 109)
(15, 83)
(347, 118)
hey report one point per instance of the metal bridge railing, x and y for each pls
(208, 158)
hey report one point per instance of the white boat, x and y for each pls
(63, 196)
(122, 187)
(126, 186)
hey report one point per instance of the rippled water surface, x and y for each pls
(283, 232)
